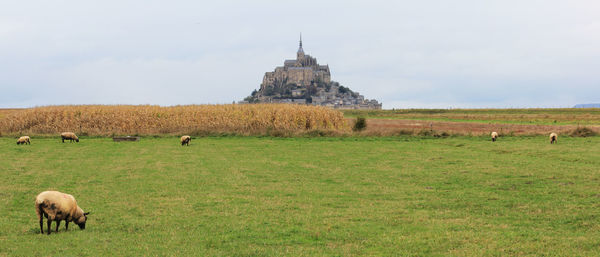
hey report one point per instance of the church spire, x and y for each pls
(300, 50)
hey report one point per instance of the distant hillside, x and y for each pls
(587, 106)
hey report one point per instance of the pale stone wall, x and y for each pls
(300, 76)
(302, 72)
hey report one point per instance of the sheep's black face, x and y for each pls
(81, 221)
(77, 140)
(82, 224)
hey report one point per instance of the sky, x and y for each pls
(405, 54)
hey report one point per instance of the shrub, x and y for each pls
(320, 133)
(432, 133)
(443, 134)
(583, 132)
(360, 124)
(425, 133)
(403, 132)
(343, 90)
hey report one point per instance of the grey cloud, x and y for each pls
(403, 53)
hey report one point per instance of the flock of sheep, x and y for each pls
(57, 206)
(185, 140)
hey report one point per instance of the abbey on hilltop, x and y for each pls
(304, 81)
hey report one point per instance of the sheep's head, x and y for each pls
(77, 140)
(81, 221)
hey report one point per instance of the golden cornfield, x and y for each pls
(105, 120)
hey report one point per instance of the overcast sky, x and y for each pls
(406, 54)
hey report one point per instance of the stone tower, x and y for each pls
(300, 54)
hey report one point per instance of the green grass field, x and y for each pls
(247, 196)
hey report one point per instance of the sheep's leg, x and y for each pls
(66, 225)
(63, 139)
(57, 225)
(49, 222)
(42, 223)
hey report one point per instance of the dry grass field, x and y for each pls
(391, 127)
(477, 121)
(106, 120)
(548, 116)
(7, 111)
(288, 120)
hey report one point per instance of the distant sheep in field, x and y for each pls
(185, 140)
(69, 136)
(23, 140)
(494, 136)
(57, 206)
(553, 138)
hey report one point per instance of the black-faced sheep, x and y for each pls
(185, 140)
(23, 140)
(57, 206)
(69, 136)
(553, 138)
(494, 136)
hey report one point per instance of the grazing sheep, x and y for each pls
(494, 136)
(23, 140)
(185, 140)
(69, 136)
(57, 206)
(553, 138)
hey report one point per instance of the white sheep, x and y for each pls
(23, 140)
(553, 138)
(185, 140)
(69, 136)
(57, 206)
(494, 136)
